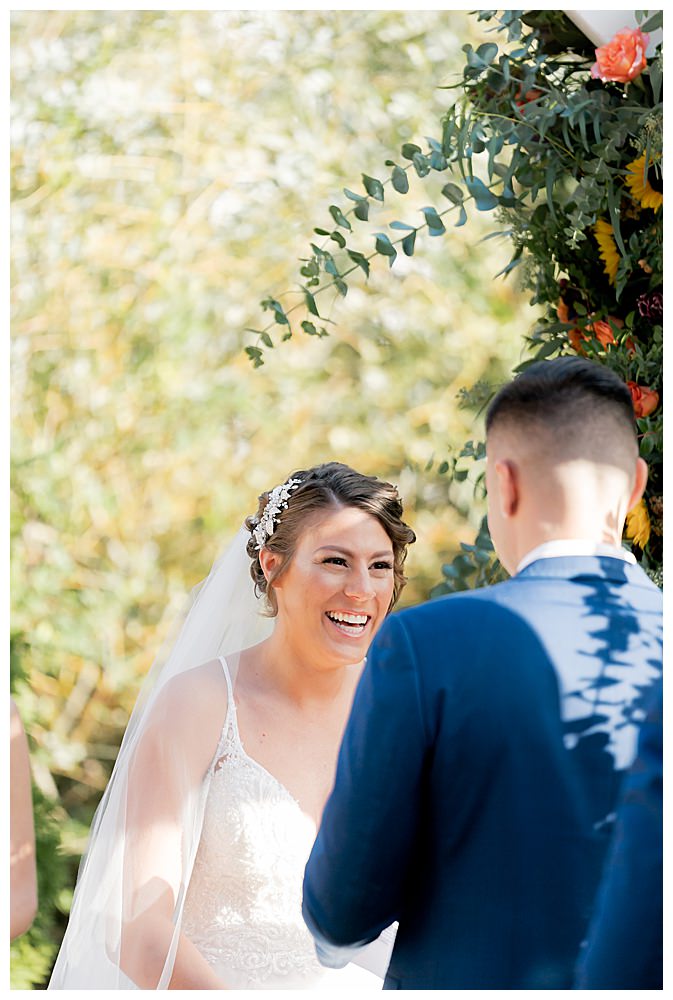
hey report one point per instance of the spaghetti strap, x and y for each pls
(227, 677)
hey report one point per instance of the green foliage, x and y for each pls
(572, 168)
(32, 954)
(475, 566)
(162, 182)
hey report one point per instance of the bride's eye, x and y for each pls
(384, 564)
(336, 560)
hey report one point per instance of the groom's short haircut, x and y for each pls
(575, 399)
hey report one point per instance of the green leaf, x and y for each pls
(400, 180)
(421, 164)
(266, 339)
(435, 225)
(613, 208)
(438, 161)
(462, 218)
(443, 468)
(656, 79)
(341, 287)
(310, 303)
(654, 22)
(255, 356)
(360, 260)
(277, 309)
(401, 225)
(385, 247)
(487, 52)
(408, 244)
(309, 328)
(353, 196)
(339, 217)
(409, 150)
(321, 232)
(484, 199)
(453, 193)
(373, 187)
(361, 210)
(338, 238)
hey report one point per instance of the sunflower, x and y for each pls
(609, 254)
(645, 188)
(638, 524)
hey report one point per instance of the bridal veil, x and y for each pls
(145, 833)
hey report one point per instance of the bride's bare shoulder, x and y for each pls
(196, 697)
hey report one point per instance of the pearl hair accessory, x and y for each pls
(277, 502)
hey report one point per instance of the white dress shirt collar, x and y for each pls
(574, 547)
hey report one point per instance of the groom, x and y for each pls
(490, 731)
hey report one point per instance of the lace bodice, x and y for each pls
(243, 905)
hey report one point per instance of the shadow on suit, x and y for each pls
(479, 774)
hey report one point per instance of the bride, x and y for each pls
(193, 873)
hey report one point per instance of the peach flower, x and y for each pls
(623, 58)
(602, 330)
(645, 401)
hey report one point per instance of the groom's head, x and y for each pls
(562, 457)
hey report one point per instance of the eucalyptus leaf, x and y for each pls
(453, 193)
(484, 199)
(310, 303)
(339, 217)
(435, 225)
(361, 210)
(408, 244)
(373, 187)
(410, 149)
(385, 247)
(400, 181)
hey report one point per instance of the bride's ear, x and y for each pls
(269, 561)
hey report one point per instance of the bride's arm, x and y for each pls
(165, 781)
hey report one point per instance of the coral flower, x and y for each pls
(623, 58)
(522, 99)
(645, 401)
(609, 253)
(603, 331)
(638, 525)
(642, 185)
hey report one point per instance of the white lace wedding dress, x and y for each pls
(243, 905)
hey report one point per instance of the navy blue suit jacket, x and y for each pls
(625, 945)
(478, 776)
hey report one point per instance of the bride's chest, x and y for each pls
(252, 826)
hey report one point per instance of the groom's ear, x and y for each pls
(640, 482)
(507, 475)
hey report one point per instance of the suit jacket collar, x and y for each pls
(606, 568)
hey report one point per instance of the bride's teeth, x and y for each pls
(340, 616)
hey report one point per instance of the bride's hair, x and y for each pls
(322, 487)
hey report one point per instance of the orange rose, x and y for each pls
(575, 336)
(645, 401)
(602, 330)
(623, 58)
(529, 96)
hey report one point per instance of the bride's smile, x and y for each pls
(342, 572)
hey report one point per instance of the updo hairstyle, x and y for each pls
(327, 487)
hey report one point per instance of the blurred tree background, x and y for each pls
(167, 168)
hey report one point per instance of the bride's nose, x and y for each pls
(359, 584)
